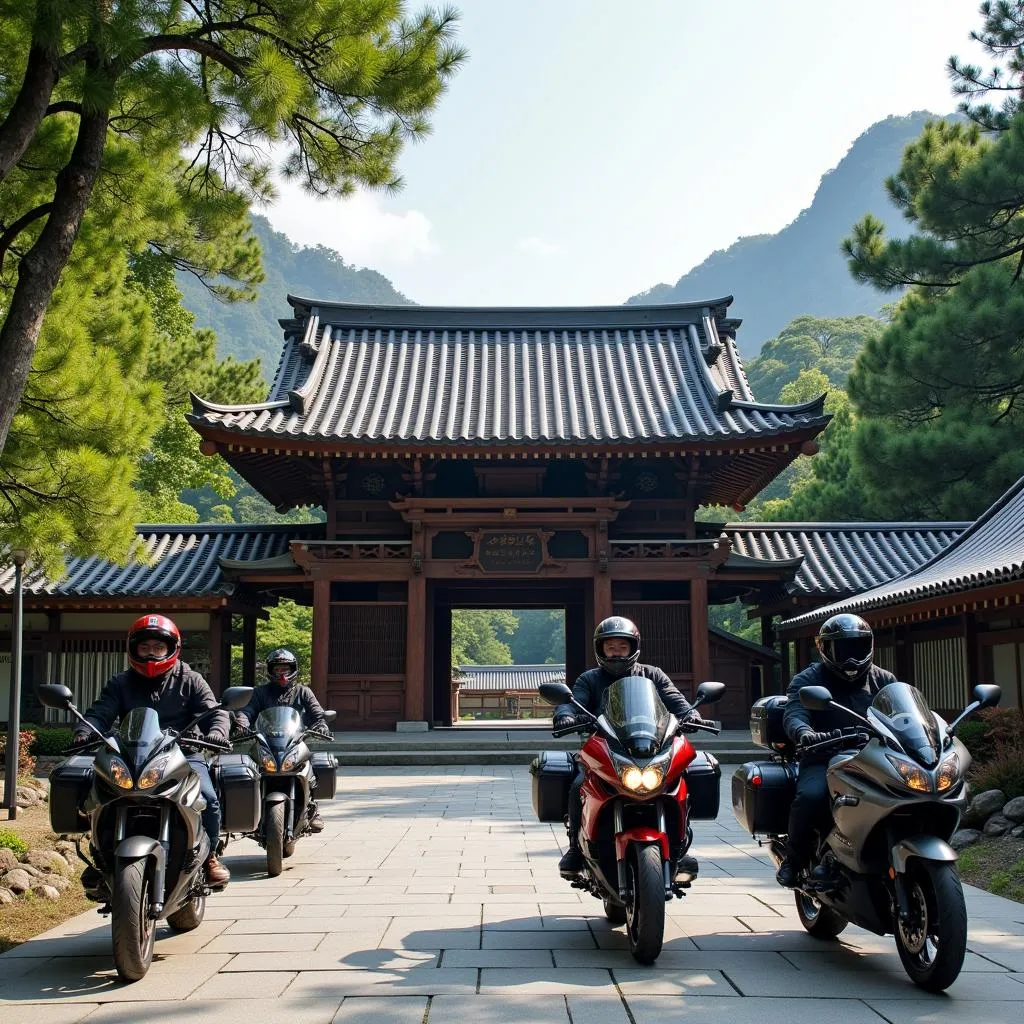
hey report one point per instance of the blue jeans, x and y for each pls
(211, 816)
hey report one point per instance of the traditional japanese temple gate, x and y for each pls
(506, 458)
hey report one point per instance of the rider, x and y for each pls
(284, 689)
(617, 650)
(158, 679)
(846, 646)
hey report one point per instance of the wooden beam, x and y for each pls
(321, 640)
(699, 643)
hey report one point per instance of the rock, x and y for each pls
(46, 891)
(1015, 833)
(8, 861)
(997, 825)
(6, 896)
(1014, 810)
(964, 838)
(27, 796)
(30, 869)
(18, 881)
(983, 806)
(59, 882)
(47, 860)
(68, 851)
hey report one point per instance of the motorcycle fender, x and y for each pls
(642, 836)
(924, 847)
(275, 798)
(135, 847)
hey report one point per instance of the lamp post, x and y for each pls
(18, 557)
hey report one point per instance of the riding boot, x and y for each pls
(572, 859)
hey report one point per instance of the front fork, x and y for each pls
(622, 839)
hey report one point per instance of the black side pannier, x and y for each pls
(325, 768)
(553, 772)
(762, 792)
(237, 781)
(70, 783)
(704, 786)
(766, 723)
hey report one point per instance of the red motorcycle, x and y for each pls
(643, 785)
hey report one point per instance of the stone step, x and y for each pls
(400, 758)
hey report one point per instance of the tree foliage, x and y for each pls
(938, 394)
(334, 87)
(480, 636)
(539, 638)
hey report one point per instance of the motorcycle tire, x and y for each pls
(274, 837)
(645, 905)
(190, 916)
(933, 945)
(819, 922)
(132, 930)
(615, 913)
(289, 847)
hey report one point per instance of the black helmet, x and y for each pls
(282, 667)
(621, 627)
(846, 645)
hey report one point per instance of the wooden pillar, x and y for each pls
(700, 655)
(972, 662)
(416, 648)
(220, 652)
(249, 650)
(602, 597)
(321, 641)
(786, 671)
(904, 655)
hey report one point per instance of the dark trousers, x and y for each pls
(810, 813)
(576, 802)
(211, 816)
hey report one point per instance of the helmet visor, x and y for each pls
(854, 650)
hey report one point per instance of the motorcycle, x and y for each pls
(635, 826)
(897, 786)
(288, 774)
(138, 800)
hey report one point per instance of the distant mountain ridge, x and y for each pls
(248, 330)
(800, 269)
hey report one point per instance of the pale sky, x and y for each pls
(590, 149)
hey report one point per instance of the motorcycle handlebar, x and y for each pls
(699, 727)
(219, 748)
(848, 735)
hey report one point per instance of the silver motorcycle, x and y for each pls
(897, 788)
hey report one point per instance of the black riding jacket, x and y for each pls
(856, 696)
(177, 698)
(589, 690)
(269, 695)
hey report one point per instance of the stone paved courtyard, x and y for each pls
(433, 896)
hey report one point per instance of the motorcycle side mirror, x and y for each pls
(988, 695)
(234, 698)
(555, 693)
(330, 716)
(709, 693)
(53, 695)
(815, 698)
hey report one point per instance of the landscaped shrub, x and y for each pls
(972, 735)
(1004, 770)
(26, 762)
(50, 741)
(13, 842)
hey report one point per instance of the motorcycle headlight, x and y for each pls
(288, 764)
(948, 774)
(269, 764)
(641, 780)
(632, 777)
(913, 777)
(119, 774)
(154, 773)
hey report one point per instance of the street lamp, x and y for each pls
(18, 556)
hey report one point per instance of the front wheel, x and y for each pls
(645, 905)
(818, 921)
(614, 912)
(933, 942)
(190, 916)
(132, 929)
(274, 837)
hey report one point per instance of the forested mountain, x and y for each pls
(800, 270)
(249, 330)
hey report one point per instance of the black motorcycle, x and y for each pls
(289, 774)
(138, 799)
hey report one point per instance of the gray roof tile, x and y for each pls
(507, 677)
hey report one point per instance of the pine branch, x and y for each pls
(18, 226)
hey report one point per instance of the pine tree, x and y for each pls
(336, 85)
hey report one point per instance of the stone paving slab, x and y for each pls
(433, 896)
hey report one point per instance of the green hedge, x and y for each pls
(972, 736)
(50, 740)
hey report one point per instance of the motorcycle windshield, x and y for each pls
(636, 714)
(139, 735)
(904, 711)
(279, 726)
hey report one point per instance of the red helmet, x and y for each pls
(153, 627)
